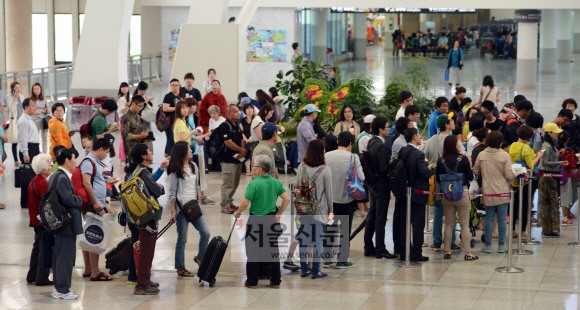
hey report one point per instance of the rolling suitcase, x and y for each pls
(117, 259)
(212, 260)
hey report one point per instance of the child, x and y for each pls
(465, 105)
(87, 143)
(566, 190)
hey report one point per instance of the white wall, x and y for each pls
(172, 18)
(502, 14)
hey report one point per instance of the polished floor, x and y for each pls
(550, 279)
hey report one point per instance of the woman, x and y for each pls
(347, 121)
(207, 84)
(493, 165)
(468, 114)
(132, 131)
(456, 102)
(481, 135)
(245, 127)
(14, 109)
(476, 122)
(123, 106)
(141, 159)
(215, 120)
(330, 143)
(489, 92)
(455, 63)
(263, 98)
(181, 131)
(314, 165)
(265, 114)
(279, 107)
(458, 131)
(183, 188)
(36, 189)
(549, 187)
(453, 160)
(141, 90)
(58, 128)
(42, 112)
(64, 251)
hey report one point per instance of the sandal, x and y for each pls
(184, 273)
(102, 277)
(86, 275)
(248, 174)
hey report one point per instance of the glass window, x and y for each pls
(307, 32)
(63, 45)
(81, 23)
(135, 35)
(39, 41)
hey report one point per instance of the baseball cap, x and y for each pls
(551, 127)
(268, 130)
(369, 118)
(245, 100)
(309, 108)
(441, 121)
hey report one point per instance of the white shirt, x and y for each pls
(189, 186)
(68, 173)
(401, 113)
(255, 123)
(471, 143)
(27, 133)
(121, 104)
(213, 124)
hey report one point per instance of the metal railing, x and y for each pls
(55, 80)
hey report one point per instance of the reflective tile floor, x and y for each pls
(550, 279)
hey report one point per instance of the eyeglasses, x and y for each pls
(174, 85)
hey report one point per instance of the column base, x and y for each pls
(548, 60)
(563, 47)
(527, 73)
(360, 49)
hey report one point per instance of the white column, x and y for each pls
(564, 35)
(319, 30)
(76, 33)
(360, 36)
(201, 12)
(101, 60)
(576, 34)
(548, 35)
(50, 30)
(151, 30)
(18, 25)
(527, 66)
(2, 40)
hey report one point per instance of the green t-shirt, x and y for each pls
(99, 125)
(263, 192)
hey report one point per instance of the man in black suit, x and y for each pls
(380, 192)
(418, 178)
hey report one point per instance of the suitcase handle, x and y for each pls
(164, 229)
(231, 231)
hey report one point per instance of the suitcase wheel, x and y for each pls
(211, 284)
(472, 243)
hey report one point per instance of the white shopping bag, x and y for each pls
(96, 234)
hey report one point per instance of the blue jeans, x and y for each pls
(490, 213)
(438, 224)
(310, 233)
(182, 225)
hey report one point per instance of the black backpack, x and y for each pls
(365, 161)
(53, 215)
(217, 147)
(397, 176)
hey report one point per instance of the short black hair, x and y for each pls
(535, 120)
(488, 105)
(377, 124)
(519, 98)
(345, 138)
(138, 99)
(402, 124)
(404, 95)
(411, 109)
(294, 45)
(410, 133)
(189, 75)
(174, 80)
(102, 143)
(210, 70)
(26, 102)
(63, 155)
(569, 101)
(439, 101)
(109, 105)
(366, 111)
(476, 121)
(56, 105)
(566, 113)
(524, 105)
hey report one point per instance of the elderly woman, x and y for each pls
(36, 189)
(59, 132)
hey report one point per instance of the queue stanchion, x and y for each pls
(577, 243)
(531, 205)
(291, 188)
(427, 229)
(408, 263)
(520, 250)
(509, 268)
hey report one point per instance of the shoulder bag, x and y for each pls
(191, 210)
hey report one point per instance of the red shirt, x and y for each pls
(208, 100)
(40, 184)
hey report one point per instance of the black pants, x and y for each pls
(257, 266)
(37, 273)
(525, 207)
(14, 152)
(170, 142)
(376, 221)
(33, 150)
(345, 209)
(63, 261)
(417, 226)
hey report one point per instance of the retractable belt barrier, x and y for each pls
(557, 175)
(422, 192)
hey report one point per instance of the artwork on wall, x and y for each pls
(266, 45)
(173, 39)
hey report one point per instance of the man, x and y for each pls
(364, 111)
(401, 125)
(476, 38)
(406, 99)
(230, 160)
(99, 126)
(189, 91)
(564, 117)
(418, 177)
(413, 113)
(28, 140)
(266, 145)
(261, 195)
(441, 107)
(296, 54)
(442, 44)
(395, 35)
(423, 43)
(96, 188)
(339, 162)
(434, 151)
(379, 192)
(216, 98)
(169, 102)
(132, 126)
(492, 122)
(523, 109)
(305, 132)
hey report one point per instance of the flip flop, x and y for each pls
(102, 277)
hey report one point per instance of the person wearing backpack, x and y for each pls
(98, 125)
(380, 193)
(516, 118)
(455, 165)
(418, 175)
(574, 126)
(64, 253)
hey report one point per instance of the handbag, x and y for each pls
(191, 210)
(148, 114)
(23, 175)
(12, 129)
(353, 185)
(96, 234)
(45, 121)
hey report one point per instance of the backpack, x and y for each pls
(306, 201)
(452, 182)
(217, 147)
(162, 120)
(365, 161)
(77, 181)
(397, 176)
(85, 129)
(54, 217)
(510, 120)
(141, 207)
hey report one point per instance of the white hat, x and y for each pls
(369, 118)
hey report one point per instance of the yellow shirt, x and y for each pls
(522, 151)
(180, 126)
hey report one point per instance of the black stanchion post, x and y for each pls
(529, 241)
(577, 243)
(509, 268)
(291, 188)
(520, 250)
(408, 263)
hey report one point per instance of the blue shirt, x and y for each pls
(192, 127)
(99, 184)
(432, 125)
(455, 56)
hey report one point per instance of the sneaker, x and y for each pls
(455, 248)
(502, 249)
(207, 201)
(567, 223)
(68, 296)
(228, 210)
(149, 290)
(153, 284)
(486, 249)
(131, 282)
(343, 265)
(327, 264)
(289, 265)
(305, 274)
(435, 247)
(319, 275)
(571, 215)
(233, 206)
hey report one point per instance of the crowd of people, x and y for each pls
(474, 140)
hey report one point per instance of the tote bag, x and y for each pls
(353, 185)
(96, 234)
(12, 131)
